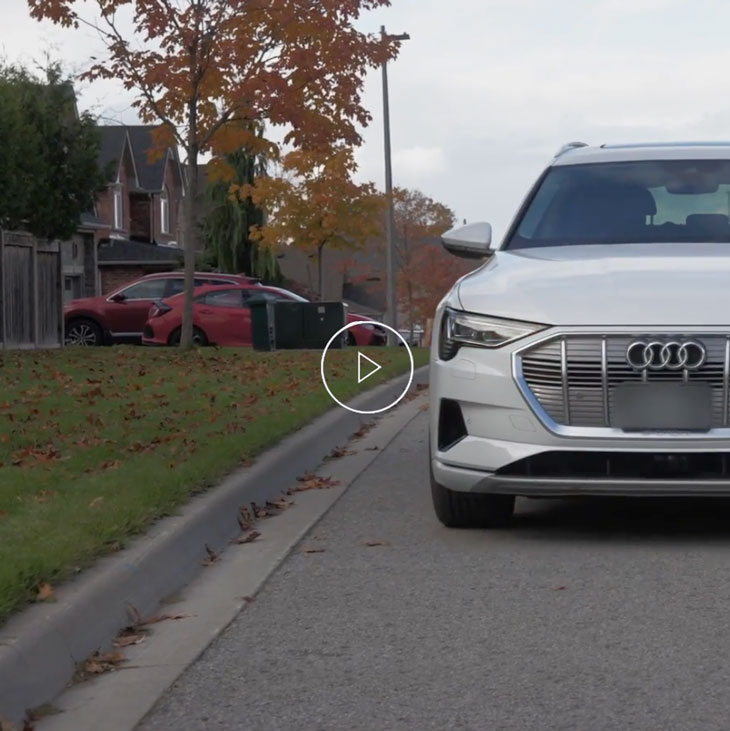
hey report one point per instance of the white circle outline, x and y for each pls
(324, 355)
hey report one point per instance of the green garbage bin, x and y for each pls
(289, 324)
(262, 331)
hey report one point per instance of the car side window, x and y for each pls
(233, 298)
(175, 285)
(149, 289)
(263, 294)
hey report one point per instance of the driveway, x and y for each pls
(594, 614)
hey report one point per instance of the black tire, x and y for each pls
(471, 510)
(199, 337)
(83, 332)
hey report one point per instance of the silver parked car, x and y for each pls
(590, 354)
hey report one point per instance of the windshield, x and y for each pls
(650, 201)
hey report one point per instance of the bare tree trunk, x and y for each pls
(189, 208)
(410, 309)
(319, 269)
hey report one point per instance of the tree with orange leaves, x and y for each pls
(432, 272)
(315, 204)
(425, 270)
(209, 71)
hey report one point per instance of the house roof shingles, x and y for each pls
(132, 252)
(151, 174)
(112, 144)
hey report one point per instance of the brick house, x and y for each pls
(140, 209)
(135, 225)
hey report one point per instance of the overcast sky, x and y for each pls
(487, 90)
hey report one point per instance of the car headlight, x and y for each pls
(464, 328)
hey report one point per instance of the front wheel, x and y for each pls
(469, 509)
(199, 337)
(82, 331)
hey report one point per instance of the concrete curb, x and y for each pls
(39, 648)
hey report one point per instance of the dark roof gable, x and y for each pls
(150, 175)
(111, 148)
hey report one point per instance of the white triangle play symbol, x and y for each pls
(360, 376)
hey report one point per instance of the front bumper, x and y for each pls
(504, 429)
(459, 479)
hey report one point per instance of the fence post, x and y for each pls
(34, 288)
(61, 324)
(3, 319)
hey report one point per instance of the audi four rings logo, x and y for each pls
(673, 355)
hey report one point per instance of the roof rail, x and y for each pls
(570, 146)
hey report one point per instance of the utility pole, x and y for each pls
(392, 274)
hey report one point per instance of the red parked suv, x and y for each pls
(221, 316)
(119, 317)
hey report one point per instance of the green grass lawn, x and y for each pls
(96, 444)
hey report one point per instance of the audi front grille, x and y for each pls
(573, 377)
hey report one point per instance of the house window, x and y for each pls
(165, 211)
(118, 209)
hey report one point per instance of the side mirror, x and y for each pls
(118, 297)
(469, 242)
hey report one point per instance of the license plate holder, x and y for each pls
(662, 407)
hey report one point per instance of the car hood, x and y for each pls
(617, 284)
(85, 302)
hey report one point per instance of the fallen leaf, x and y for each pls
(338, 453)
(43, 496)
(248, 538)
(97, 663)
(39, 713)
(248, 599)
(372, 449)
(309, 549)
(45, 593)
(259, 512)
(127, 640)
(212, 556)
(280, 504)
(372, 544)
(160, 618)
(136, 616)
(96, 502)
(559, 588)
(363, 430)
(4, 724)
(111, 465)
(245, 519)
(310, 481)
(111, 658)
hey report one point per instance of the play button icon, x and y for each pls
(343, 374)
(375, 369)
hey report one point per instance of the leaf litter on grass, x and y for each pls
(82, 444)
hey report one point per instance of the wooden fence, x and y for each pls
(31, 292)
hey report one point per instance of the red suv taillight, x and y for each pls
(159, 309)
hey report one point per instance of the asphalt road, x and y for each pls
(586, 615)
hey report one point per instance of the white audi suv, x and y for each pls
(590, 353)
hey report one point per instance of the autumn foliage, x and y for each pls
(210, 71)
(315, 204)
